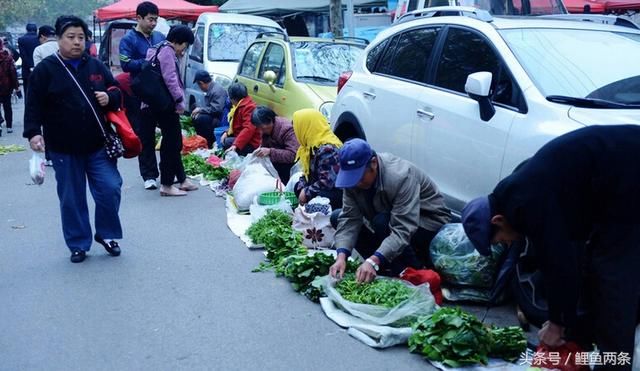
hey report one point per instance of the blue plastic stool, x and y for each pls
(218, 134)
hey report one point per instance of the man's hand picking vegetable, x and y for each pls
(367, 271)
(337, 269)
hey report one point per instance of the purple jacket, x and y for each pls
(282, 142)
(170, 72)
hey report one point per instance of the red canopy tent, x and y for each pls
(618, 6)
(601, 6)
(170, 9)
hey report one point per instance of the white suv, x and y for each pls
(470, 96)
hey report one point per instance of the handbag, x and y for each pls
(112, 143)
(130, 141)
(149, 86)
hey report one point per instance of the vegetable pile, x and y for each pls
(507, 343)
(457, 338)
(195, 165)
(280, 240)
(11, 148)
(186, 123)
(302, 270)
(451, 336)
(386, 293)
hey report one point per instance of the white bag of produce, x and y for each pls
(458, 262)
(36, 168)
(313, 220)
(259, 176)
(420, 302)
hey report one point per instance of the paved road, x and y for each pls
(181, 296)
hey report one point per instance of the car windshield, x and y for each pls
(323, 62)
(228, 42)
(583, 64)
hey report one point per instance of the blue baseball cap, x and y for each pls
(476, 221)
(354, 158)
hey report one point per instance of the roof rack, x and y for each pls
(359, 39)
(595, 18)
(447, 11)
(271, 33)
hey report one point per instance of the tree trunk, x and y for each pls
(335, 17)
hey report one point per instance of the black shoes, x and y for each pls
(112, 247)
(78, 256)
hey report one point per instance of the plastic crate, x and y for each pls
(272, 198)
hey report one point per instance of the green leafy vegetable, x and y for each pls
(280, 240)
(186, 123)
(507, 343)
(386, 293)
(195, 164)
(451, 336)
(11, 148)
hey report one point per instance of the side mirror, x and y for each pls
(270, 78)
(478, 87)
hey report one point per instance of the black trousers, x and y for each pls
(145, 129)
(170, 160)
(204, 125)
(284, 171)
(26, 72)
(614, 282)
(5, 100)
(416, 255)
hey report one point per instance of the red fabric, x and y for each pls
(546, 357)
(214, 160)
(170, 9)
(130, 141)
(420, 276)
(190, 144)
(124, 79)
(244, 131)
(577, 6)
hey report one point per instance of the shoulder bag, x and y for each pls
(150, 87)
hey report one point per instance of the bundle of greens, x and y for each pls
(507, 343)
(386, 293)
(186, 123)
(195, 164)
(11, 148)
(280, 240)
(451, 336)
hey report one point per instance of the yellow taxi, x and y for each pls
(292, 73)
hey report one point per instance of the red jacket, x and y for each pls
(243, 130)
(8, 76)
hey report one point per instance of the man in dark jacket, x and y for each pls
(72, 117)
(581, 187)
(391, 211)
(279, 142)
(207, 117)
(27, 43)
(133, 53)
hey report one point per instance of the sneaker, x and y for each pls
(78, 256)
(150, 184)
(9, 130)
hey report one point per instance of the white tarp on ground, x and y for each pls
(287, 6)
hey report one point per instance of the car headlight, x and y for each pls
(325, 109)
(223, 80)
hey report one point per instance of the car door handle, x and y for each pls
(427, 114)
(255, 88)
(369, 95)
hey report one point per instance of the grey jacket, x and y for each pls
(403, 191)
(214, 100)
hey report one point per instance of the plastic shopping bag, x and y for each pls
(420, 303)
(314, 221)
(257, 211)
(36, 168)
(259, 176)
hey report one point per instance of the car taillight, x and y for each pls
(344, 77)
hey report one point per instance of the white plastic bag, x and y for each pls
(36, 168)
(232, 160)
(316, 228)
(257, 211)
(420, 303)
(259, 176)
(293, 180)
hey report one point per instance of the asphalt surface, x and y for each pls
(180, 297)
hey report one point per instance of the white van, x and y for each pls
(220, 42)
